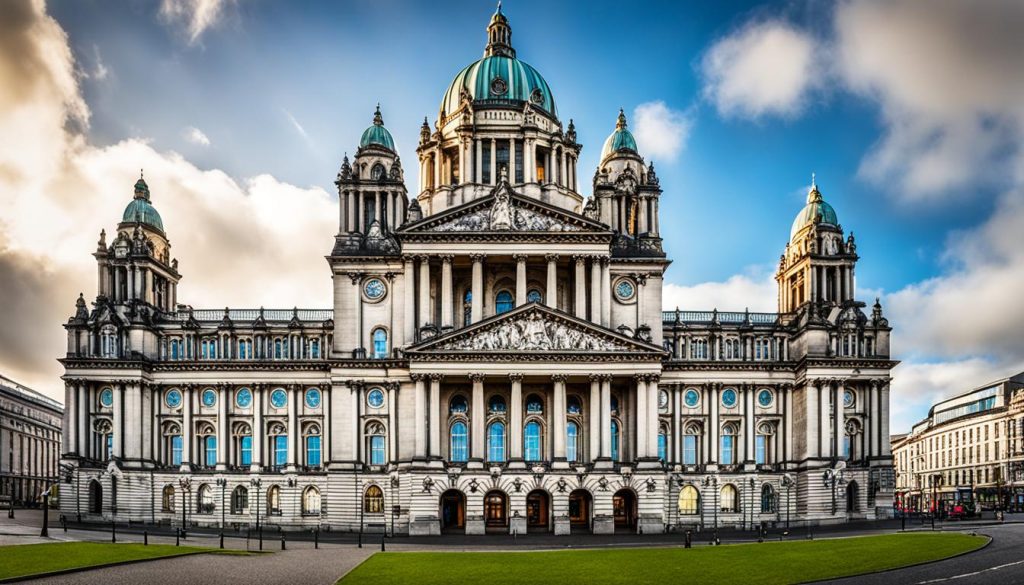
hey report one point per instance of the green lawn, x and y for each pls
(30, 559)
(751, 564)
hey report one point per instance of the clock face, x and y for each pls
(848, 398)
(243, 398)
(764, 398)
(107, 397)
(625, 290)
(534, 296)
(173, 399)
(729, 398)
(374, 288)
(209, 397)
(278, 398)
(313, 398)
(691, 398)
(663, 399)
(375, 398)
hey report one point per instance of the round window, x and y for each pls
(848, 398)
(534, 296)
(498, 86)
(375, 398)
(374, 289)
(107, 397)
(765, 398)
(278, 398)
(625, 289)
(313, 398)
(728, 398)
(173, 398)
(209, 397)
(691, 398)
(243, 398)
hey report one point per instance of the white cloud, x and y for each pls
(195, 16)
(100, 71)
(660, 131)
(196, 136)
(250, 243)
(764, 68)
(754, 290)
(295, 124)
(916, 386)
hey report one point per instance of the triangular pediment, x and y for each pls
(504, 210)
(535, 329)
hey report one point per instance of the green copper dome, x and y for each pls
(621, 140)
(499, 78)
(140, 210)
(377, 134)
(816, 211)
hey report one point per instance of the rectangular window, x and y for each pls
(246, 449)
(570, 447)
(662, 447)
(502, 157)
(486, 163)
(519, 162)
(689, 449)
(211, 451)
(280, 449)
(110, 446)
(314, 349)
(846, 449)
(760, 446)
(727, 443)
(377, 450)
(313, 451)
(176, 450)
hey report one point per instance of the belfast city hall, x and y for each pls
(495, 358)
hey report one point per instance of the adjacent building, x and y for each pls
(970, 449)
(30, 442)
(495, 357)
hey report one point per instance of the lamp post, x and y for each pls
(936, 480)
(832, 478)
(787, 482)
(712, 482)
(753, 483)
(223, 483)
(185, 483)
(256, 483)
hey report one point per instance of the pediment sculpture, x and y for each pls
(532, 332)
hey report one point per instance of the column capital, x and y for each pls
(606, 377)
(477, 377)
(579, 259)
(605, 260)
(559, 378)
(436, 376)
(477, 257)
(447, 258)
(653, 378)
(595, 377)
(354, 384)
(515, 377)
(424, 258)
(408, 258)
(640, 377)
(355, 277)
(392, 385)
(551, 257)
(418, 377)
(520, 257)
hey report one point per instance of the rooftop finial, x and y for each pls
(814, 184)
(378, 120)
(621, 123)
(499, 8)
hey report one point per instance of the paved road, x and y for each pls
(1000, 563)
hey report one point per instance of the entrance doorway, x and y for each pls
(453, 511)
(852, 495)
(95, 497)
(496, 511)
(580, 506)
(624, 509)
(538, 506)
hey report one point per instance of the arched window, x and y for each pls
(663, 443)
(167, 499)
(615, 440)
(210, 451)
(240, 500)
(380, 344)
(278, 354)
(534, 404)
(312, 446)
(311, 501)
(572, 439)
(95, 497)
(243, 440)
(503, 302)
(496, 442)
(458, 405)
(172, 444)
(279, 445)
(497, 404)
(204, 499)
(373, 500)
(375, 443)
(244, 349)
(108, 342)
(534, 296)
(729, 498)
(690, 442)
(767, 499)
(728, 454)
(573, 405)
(689, 500)
(274, 500)
(459, 442)
(699, 349)
(175, 349)
(314, 347)
(531, 441)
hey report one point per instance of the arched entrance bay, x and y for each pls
(538, 511)
(581, 506)
(624, 510)
(453, 511)
(496, 511)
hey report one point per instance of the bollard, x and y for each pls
(145, 538)
(689, 539)
(177, 537)
(113, 532)
(222, 540)
(360, 539)
(382, 535)
(64, 522)
(261, 538)
(316, 538)
(282, 541)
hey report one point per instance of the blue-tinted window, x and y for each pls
(176, 450)
(727, 449)
(313, 451)
(377, 450)
(496, 442)
(458, 405)
(531, 441)
(760, 446)
(210, 449)
(280, 449)
(459, 443)
(380, 344)
(689, 449)
(572, 437)
(662, 447)
(504, 302)
(246, 444)
(615, 441)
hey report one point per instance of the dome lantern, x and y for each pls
(377, 135)
(620, 140)
(817, 211)
(140, 210)
(499, 36)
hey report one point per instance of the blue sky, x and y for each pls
(240, 111)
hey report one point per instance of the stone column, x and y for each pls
(257, 428)
(606, 292)
(606, 416)
(376, 208)
(83, 420)
(838, 424)
(392, 421)
(325, 446)
(425, 315)
(520, 278)
(787, 391)
(477, 419)
(118, 416)
(654, 423)
(824, 442)
(642, 419)
(446, 292)
(552, 175)
(409, 284)
(70, 418)
(477, 302)
(715, 424)
(435, 415)
(355, 403)
(420, 418)
(478, 167)
(581, 291)
(594, 416)
(883, 405)
(748, 423)
(223, 436)
(357, 307)
(494, 162)
(293, 427)
(186, 428)
(437, 168)
(563, 175)
(677, 424)
(515, 426)
(558, 418)
(511, 160)
(462, 161)
(874, 425)
(551, 288)
(595, 289)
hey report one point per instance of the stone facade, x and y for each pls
(30, 442)
(496, 358)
